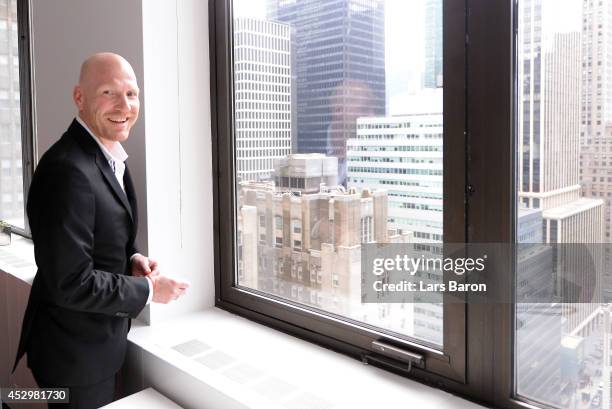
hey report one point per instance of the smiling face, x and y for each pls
(107, 97)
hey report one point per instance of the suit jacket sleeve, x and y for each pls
(64, 243)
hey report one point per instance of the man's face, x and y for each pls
(108, 102)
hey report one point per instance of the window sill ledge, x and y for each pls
(17, 259)
(246, 365)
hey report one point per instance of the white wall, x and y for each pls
(166, 41)
(178, 134)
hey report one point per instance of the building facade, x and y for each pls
(305, 245)
(596, 105)
(340, 69)
(549, 128)
(432, 77)
(263, 98)
(11, 174)
(403, 155)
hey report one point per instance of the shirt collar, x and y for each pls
(116, 153)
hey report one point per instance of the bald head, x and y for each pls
(101, 64)
(107, 96)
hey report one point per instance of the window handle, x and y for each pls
(398, 354)
(386, 363)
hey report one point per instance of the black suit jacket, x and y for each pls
(83, 227)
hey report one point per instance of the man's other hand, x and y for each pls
(143, 266)
(165, 289)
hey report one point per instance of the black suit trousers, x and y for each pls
(83, 397)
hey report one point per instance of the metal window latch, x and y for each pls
(395, 354)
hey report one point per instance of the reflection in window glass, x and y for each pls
(11, 175)
(338, 142)
(564, 147)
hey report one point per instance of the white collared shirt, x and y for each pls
(116, 155)
(116, 158)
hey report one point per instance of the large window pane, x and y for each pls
(11, 174)
(338, 143)
(564, 185)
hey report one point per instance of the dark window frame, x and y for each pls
(479, 197)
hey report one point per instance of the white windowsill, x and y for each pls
(278, 370)
(17, 259)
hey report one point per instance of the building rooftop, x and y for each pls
(572, 208)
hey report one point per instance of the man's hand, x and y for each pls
(143, 266)
(166, 289)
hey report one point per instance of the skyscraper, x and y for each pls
(432, 77)
(262, 70)
(549, 130)
(340, 68)
(596, 105)
(403, 155)
(11, 179)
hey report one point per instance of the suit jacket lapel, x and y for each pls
(111, 180)
(131, 194)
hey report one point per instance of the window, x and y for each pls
(16, 141)
(346, 147)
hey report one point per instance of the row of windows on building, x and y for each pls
(415, 206)
(259, 142)
(262, 40)
(366, 232)
(256, 166)
(262, 87)
(254, 67)
(599, 140)
(415, 195)
(257, 77)
(401, 171)
(398, 136)
(386, 159)
(391, 182)
(403, 221)
(253, 125)
(397, 125)
(265, 115)
(259, 154)
(262, 26)
(253, 96)
(266, 57)
(259, 106)
(290, 182)
(411, 148)
(428, 236)
(599, 190)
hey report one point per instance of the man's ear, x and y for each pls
(77, 96)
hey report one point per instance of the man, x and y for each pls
(82, 211)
